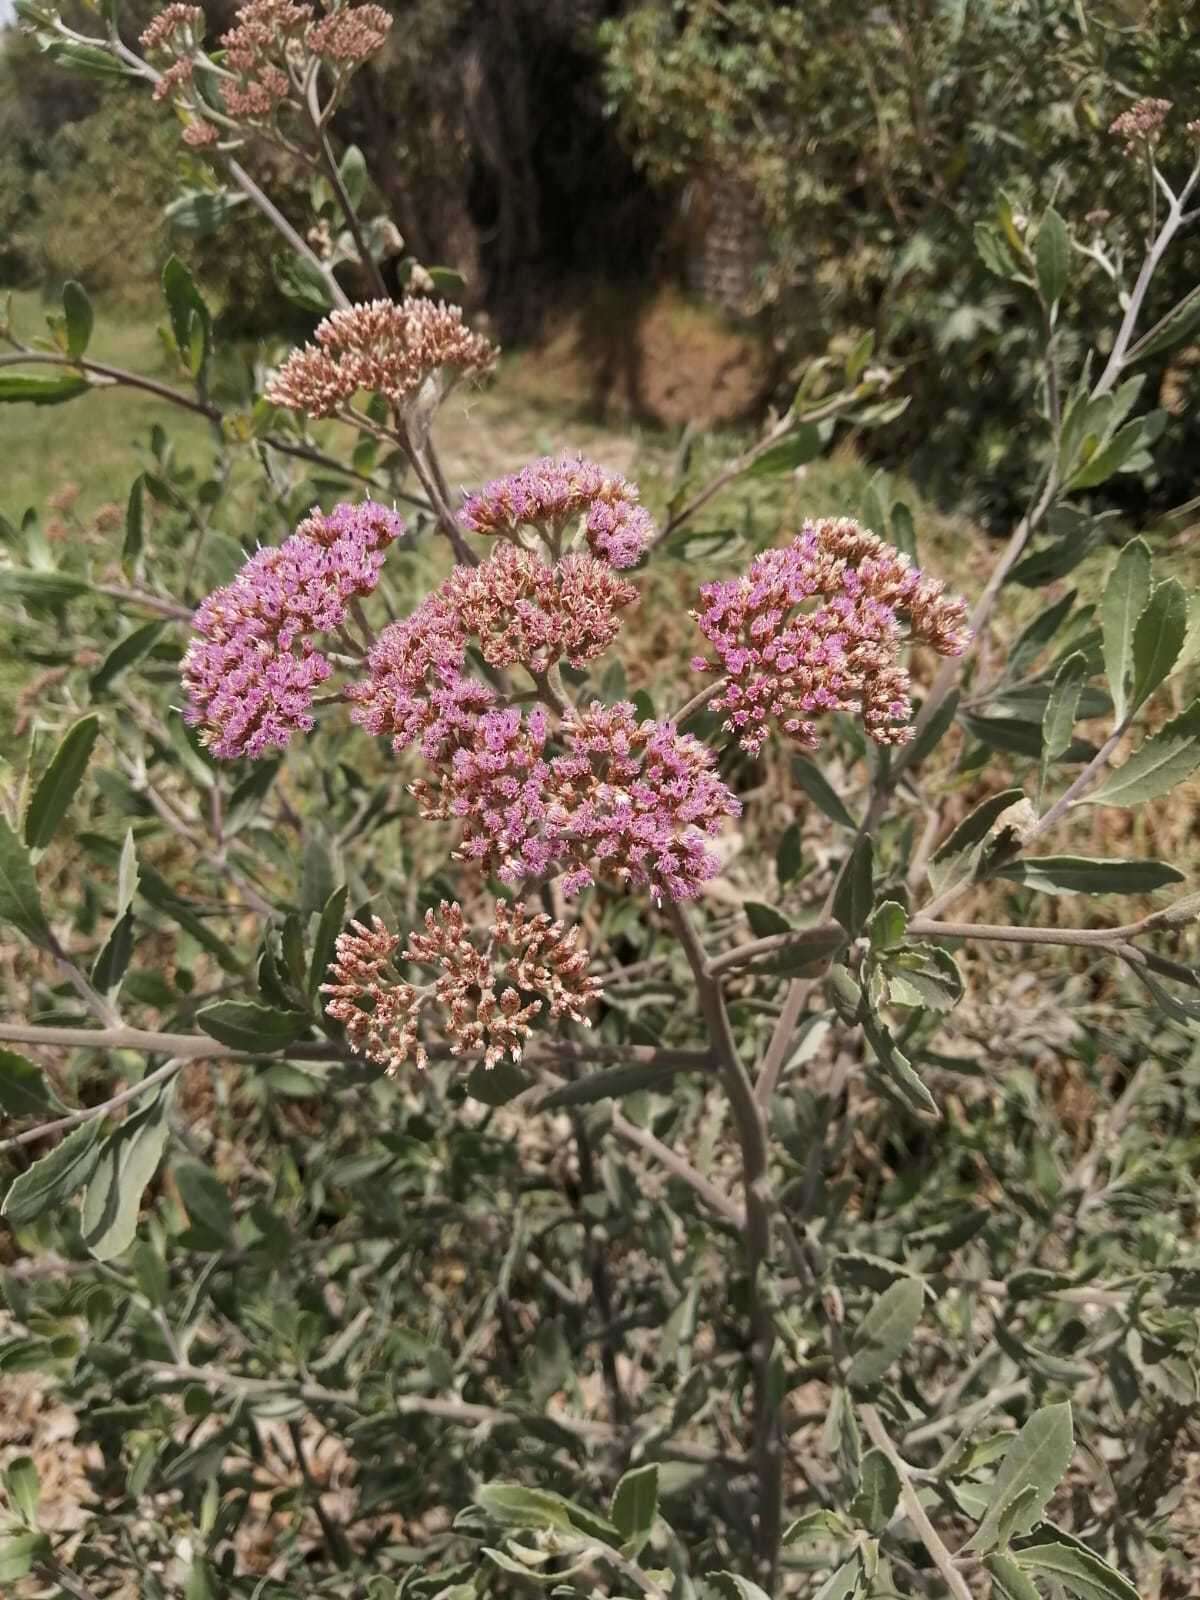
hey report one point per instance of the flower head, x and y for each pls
(387, 348)
(526, 612)
(486, 1000)
(349, 35)
(251, 668)
(555, 492)
(637, 801)
(786, 658)
(1141, 124)
(175, 29)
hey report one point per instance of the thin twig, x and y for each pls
(925, 1530)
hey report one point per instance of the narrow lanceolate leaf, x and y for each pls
(1058, 721)
(127, 1161)
(1158, 639)
(895, 1065)
(1125, 598)
(1053, 256)
(974, 829)
(123, 654)
(1081, 1572)
(1008, 1581)
(635, 1503)
(24, 1090)
(20, 902)
(797, 450)
(329, 925)
(55, 1178)
(41, 391)
(742, 1588)
(1080, 875)
(242, 1025)
(886, 1331)
(1038, 1457)
(77, 312)
(818, 789)
(1180, 323)
(610, 1085)
(60, 782)
(856, 888)
(1167, 758)
(878, 1492)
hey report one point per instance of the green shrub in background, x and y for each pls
(838, 1258)
(874, 138)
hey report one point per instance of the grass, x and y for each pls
(99, 441)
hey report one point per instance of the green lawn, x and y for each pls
(100, 440)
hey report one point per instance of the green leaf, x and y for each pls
(855, 892)
(191, 324)
(45, 588)
(301, 282)
(1053, 256)
(242, 1025)
(131, 549)
(844, 1583)
(1008, 1581)
(1038, 1457)
(1166, 759)
(352, 169)
(1179, 324)
(77, 309)
(886, 926)
(20, 902)
(329, 925)
(127, 1161)
(1034, 638)
(796, 450)
(897, 1068)
(878, 1492)
(608, 1085)
(765, 921)
(206, 1200)
(60, 782)
(1125, 596)
(24, 1090)
(816, 1525)
(1111, 457)
(124, 653)
(975, 827)
(789, 855)
(635, 1503)
(54, 1178)
(886, 1332)
(23, 1488)
(201, 212)
(19, 1553)
(741, 1588)
(496, 1086)
(517, 1507)
(1062, 708)
(1081, 875)
(904, 530)
(816, 786)
(934, 731)
(923, 976)
(1158, 639)
(1080, 1572)
(38, 390)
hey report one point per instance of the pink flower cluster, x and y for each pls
(816, 627)
(487, 999)
(251, 668)
(519, 610)
(631, 803)
(555, 492)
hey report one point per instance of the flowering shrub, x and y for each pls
(775, 1282)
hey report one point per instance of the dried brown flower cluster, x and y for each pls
(387, 348)
(269, 54)
(176, 28)
(487, 998)
(1141, 124)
